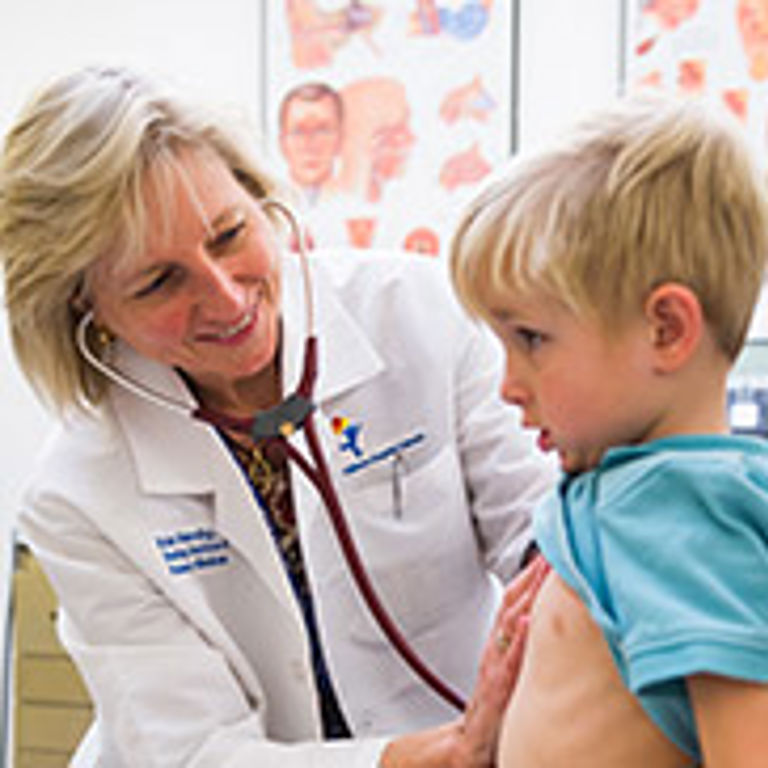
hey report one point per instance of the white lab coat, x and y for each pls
(175, 604)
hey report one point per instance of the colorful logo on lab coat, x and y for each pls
(349, 434)
(350, 442)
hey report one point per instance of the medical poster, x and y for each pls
(717, 48)
(714, 48)
(386, 115)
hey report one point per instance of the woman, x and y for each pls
(203, 593)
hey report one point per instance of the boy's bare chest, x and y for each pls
(571, 706)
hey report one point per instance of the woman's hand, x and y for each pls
(470, 742)
(499, 669)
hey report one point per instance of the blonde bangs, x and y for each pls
(495, 250)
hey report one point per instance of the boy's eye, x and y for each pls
(530, 339)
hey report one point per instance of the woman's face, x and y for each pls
(203, 295)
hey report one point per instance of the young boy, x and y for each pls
(620, 271)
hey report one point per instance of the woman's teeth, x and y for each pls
(228, 333)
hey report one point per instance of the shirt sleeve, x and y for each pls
(685, 550)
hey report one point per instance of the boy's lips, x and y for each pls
(544, 441)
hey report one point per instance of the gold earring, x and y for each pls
(104, 336)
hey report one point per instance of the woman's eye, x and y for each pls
(157, 283)
(227, 236)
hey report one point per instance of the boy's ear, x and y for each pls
(676, 322)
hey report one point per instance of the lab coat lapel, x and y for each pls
(241, 522)
(176, 454)
(347, 359)
(346, 356)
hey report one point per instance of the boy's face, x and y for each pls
(584, 390)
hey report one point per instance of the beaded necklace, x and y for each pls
(268, 472)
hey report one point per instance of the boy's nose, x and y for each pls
(513, 393)
(513, 389)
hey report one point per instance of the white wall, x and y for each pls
(569, 61)
(213, 47)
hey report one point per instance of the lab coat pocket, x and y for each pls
(415, 536)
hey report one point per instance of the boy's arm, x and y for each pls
(732, 718)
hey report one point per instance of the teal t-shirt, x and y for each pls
(667, 545)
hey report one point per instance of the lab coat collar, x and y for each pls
(172, 456)
(171, 453)
(347, 358)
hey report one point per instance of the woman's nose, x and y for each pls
(219, 285)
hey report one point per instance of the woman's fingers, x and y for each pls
(499, 668)
(527, 582)
(518, 600)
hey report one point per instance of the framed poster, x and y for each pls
(386, 115)
(714, 48)
(717, 48)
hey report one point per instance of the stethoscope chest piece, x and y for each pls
(284, 420)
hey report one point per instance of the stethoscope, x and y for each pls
(273, 427)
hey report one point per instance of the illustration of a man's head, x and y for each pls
(311, 133)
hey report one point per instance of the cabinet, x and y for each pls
(52, 708)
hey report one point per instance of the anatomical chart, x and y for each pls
(714, 48)
(386, 116)
(717, 48)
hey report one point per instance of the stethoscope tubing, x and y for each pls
(299, 409)
(321, 479)
(319, 476)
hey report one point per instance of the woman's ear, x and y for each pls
(79, 301)
(676, 323)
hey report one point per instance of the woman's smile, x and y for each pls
(235, 333)
(203, 295)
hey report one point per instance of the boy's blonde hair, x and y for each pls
(72, 177)
(649, 191)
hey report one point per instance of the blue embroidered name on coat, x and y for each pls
(384, 453)
(195, 549)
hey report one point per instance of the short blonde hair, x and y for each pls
(648, 191)
(71, 178)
